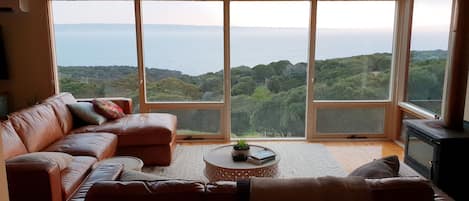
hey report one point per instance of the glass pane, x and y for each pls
(95, 48)
(196, 122)
(353, 50)
(183, 45)
(430, 34)
(350, 120)
(269, 48)
(420, 151)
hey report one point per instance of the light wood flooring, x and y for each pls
(352, 154)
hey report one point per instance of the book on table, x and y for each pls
(261, 157)
(262, 154)
(259, 162)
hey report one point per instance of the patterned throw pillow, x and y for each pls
(108, 109)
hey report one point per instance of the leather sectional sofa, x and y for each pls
(51, 127)
(297, 189)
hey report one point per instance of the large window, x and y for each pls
(183, 45)
(354, 51)
(429, 52)
(269, 48)
(184, 63)
(95, 50)
(257, 69)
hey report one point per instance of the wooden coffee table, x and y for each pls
(220, 166)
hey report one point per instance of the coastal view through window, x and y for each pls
(183, 43)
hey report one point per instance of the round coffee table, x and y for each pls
(220, 166)
(129, 162)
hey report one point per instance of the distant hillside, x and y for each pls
(267, 99)
(110, 73)
(429, 55)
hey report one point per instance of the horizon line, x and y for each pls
(271, 27)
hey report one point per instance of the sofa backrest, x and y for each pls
(59, 104)
(37, 126)
(12, 145)
(174, 190)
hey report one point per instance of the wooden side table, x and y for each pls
(129, 162)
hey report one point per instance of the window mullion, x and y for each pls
(140, 59)
(310, 117)
(226, 119)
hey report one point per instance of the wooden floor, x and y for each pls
(354, 154)
(351, 155)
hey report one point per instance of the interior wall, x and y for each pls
(3, 177)
(27, 44)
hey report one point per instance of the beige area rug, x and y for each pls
(298, 159)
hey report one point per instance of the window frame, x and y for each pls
(394, 106)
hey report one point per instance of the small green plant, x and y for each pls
(241, 145)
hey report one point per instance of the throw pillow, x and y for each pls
(108, 109)
(86, 112)
(132, 175)
(379, 168)
(61, 159)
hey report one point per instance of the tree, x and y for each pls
(242, 107)
(173, 89)
(245, 85)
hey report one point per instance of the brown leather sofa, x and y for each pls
(50, 127)
(389, 189)
(149, 136)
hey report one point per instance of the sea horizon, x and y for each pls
(198, 49)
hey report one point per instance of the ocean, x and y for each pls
(196, 50)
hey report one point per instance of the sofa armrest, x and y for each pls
(103, 172)
(401, 188)
(34, 181)
(124, 103)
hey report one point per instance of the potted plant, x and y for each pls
(240, 151)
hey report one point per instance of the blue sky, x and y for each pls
(338, 14)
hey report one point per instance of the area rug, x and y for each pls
(298, 159)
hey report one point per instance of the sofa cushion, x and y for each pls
(59, 104)
(379, 168)
(138, 129)
(37, 126)
(104, 172)
(75, 173)
(99, 145)
(12, 145)
(108, 109)
(302, 189)
(62, 160)
(133, 175)
(85, 111)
